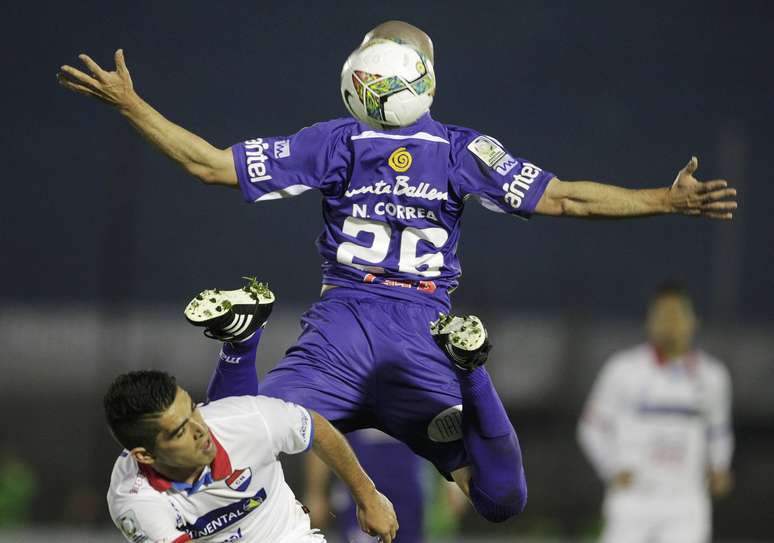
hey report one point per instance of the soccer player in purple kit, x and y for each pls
(392, 202)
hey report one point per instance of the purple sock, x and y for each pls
(498, 486)
(235, 374)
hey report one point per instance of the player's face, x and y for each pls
(671, 323)
(184, 440)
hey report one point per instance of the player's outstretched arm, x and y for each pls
(686, 196)
(197, 156)
(374, 511)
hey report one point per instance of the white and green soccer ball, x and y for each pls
(387, 84)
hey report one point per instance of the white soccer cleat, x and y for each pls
(463, 339)
(231, 315)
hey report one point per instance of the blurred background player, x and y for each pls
(392, 206)
(657, 427)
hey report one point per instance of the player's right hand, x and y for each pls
(623, 479)
(376, 517)
(114, 88)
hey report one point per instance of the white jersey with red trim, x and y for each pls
(666, 422)
(241, 497)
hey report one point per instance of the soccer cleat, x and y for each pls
(231, 315)
(463, 339)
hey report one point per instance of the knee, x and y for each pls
(499, 508)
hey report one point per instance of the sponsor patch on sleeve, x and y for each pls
(129, 526)
(487, 149)
(281, 148)
(505, 164)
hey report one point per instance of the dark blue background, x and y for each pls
(608, 91)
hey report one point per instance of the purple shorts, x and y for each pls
(366, 360)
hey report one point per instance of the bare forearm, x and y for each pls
(686, 196)
(197, 156)
(332, 448)
(596, 200)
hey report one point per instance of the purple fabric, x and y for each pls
(392, 205)
(498, 486)
(235, 374)
(364, 360)
(392, 201)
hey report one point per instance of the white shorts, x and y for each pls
(635, 519)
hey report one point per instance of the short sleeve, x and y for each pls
(148, 521)
(719, 431)
(316, 157)
(290, 426)
(598, 425)
(485, 170)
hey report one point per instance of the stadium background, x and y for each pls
(104, 240)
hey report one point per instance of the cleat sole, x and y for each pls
(210, 304)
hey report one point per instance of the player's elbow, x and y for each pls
(208, 176)
(572, 208)
(561, 199)
(213, 176)
(215, 168)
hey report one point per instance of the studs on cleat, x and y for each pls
(232, 315)
(463, 339)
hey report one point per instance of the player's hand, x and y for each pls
(376, 517)
(712, 199)
(114, 88)
(623, 479)
(720, 483)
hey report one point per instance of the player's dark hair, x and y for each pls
(133, 402)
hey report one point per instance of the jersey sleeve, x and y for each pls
(147, 520)
(483, 169)
(290, 426)
(269, 168)
(598, 424)
(720, 437)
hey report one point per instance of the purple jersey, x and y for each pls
(392, 200)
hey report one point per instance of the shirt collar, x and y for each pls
(424, 121)
(220, 468)
(688, 359)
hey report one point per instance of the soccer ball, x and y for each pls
(387, 84)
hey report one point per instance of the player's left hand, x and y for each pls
(376, 517)
(712, 199)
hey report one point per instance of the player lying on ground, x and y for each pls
(211, 472)
(392, 203)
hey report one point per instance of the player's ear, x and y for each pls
(142, 455)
